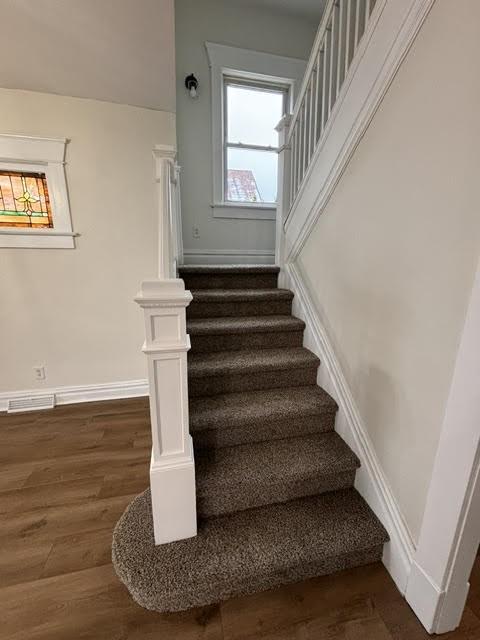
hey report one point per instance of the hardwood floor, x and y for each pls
(66, 476)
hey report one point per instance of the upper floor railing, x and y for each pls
(341, 29)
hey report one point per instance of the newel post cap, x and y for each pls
(164, 151)
(163, 293)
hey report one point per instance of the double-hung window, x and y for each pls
(252, 110)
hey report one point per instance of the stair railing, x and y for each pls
(164, 301)
(338, 36)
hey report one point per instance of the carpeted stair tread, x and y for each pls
(255, 324)
(240, 295)
(230, 277)
(251, 475)
(229, 419)
(249, 361)
(245, 552)
(230, 410)
(254, 300)
(218, 269)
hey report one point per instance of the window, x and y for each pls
(24, 200)
(34, 207)
(245, 78)
(252, 110)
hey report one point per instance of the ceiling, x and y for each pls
(308, 9)
(102, 49)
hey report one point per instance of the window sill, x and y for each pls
(36, 239)
(244, 211)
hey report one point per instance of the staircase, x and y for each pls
(274, 482)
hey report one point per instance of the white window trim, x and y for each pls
(248, 65)
(46, 155)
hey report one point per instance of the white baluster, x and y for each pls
(348, 35)
(310, 120)
(324, 87)
(339, 45)
(293, 149)
(357, 25)
(330, 73)
(283, 194)
(317, 92)
(304, 141)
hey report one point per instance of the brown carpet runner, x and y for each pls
(275, 494)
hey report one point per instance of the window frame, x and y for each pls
(251, 65)
(40, 155)
(265, 86)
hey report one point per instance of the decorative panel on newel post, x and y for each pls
(164, 300)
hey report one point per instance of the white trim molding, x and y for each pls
(32, 400)
(450, 532)
(370, 481)
(254, 65)
(390, 33)
(244, 211)
(229, 256)
(46, 155)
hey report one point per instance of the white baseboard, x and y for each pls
(229, 256)
(426, 597)
(370, 480)
(74, 395)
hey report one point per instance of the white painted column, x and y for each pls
(172, 469)
(164, 300)
(283, 192)
(165, 176)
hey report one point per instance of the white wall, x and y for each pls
(239, 26)
(121, 51)
(392, 258)
(73, 310)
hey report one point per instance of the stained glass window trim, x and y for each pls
(45, 220)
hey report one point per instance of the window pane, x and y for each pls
(24, 200)
(251, 175)
(252, 115)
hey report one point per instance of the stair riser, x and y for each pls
(225, 590)
(234, 342)
(252, 381)
(231, 309)
(263, 431)
(245, 281)
(243, 495)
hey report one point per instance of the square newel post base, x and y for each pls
(172, 468)
(172, 487)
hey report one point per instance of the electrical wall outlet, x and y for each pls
(40, 373)
(195, 232)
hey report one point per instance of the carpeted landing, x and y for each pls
(275, 496)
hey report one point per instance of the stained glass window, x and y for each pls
(24, 200)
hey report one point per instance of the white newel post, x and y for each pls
(283, 192)
(164, 300)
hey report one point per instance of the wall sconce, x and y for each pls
(191, 83)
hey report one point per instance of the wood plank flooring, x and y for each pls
(66, 475)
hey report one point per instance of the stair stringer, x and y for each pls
(370, 481)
